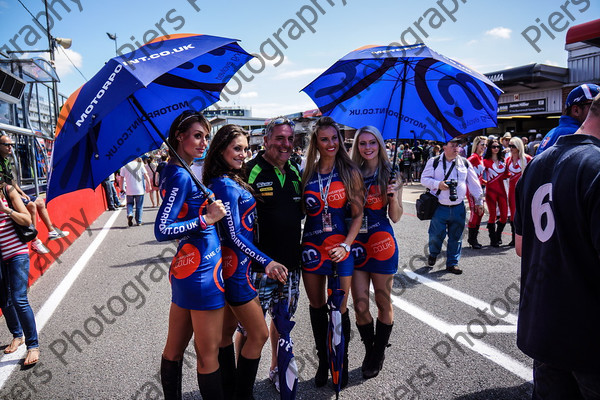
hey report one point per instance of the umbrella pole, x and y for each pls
(399, 121)
(183, 163)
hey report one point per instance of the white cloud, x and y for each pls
(270, 109)
(247, 95)
(553, 63)
(299, 73)
(499, 32)
(472, 42)
(63, 65)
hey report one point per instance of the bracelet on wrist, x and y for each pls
(203, 223)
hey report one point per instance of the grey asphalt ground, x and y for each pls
(91, 352)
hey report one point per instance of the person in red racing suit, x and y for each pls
(495, 192)
(479, 146)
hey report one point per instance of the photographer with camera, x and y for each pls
(451, 174)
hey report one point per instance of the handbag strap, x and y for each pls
(5, 191)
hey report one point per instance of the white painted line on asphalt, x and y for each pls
(460, 296)
(487, 351)
(488, 328)
(10, 361)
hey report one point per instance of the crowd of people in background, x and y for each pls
(237, 214)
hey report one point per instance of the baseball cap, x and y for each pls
(582, 93)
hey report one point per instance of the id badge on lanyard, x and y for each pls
(327, 220)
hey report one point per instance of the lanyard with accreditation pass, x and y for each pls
(327, 223)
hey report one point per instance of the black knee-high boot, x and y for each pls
(473, 232)
(318, 321)
(382, 335)
(512, 232)
(346, 330)
(227, 366)
(170, 378)
(245, 375)
(210, 385)
(499, 228)
(367, 335)
(492, 232)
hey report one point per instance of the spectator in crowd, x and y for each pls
(495, 192)
(15, 271)
(136, 180)
(577, 105)
(112, 199)
(525, 142)
(277, 187)
(417, 164)
(34, 205)
(152, 187)
(558, 238)
(534, 144)
(407, 158)
(504, 142)
(450, 215)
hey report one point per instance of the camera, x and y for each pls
(452, 184)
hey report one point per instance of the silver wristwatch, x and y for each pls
(345, 247)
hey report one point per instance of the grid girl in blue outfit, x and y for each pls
(223, 172)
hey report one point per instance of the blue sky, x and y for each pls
(484, 34)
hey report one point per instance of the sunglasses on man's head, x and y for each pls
(281, 121)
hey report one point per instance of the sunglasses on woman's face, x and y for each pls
(512, 146)
(495, 147)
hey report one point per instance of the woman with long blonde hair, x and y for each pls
(375, 249)
(516, 161)
(332, 183)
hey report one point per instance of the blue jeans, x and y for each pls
(112, 199)
(450, 220)
(139, 201)
(18, 313)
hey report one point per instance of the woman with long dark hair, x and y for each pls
(495, 192)
(15, 270)
(223, 172)
(195, 274)
(375, 248)
(332, 189)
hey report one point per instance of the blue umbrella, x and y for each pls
(126, 108)
(335, 333)
(286, 363)
(404, 89)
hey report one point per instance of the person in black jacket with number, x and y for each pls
(558, 237)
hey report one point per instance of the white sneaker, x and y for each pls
(39, 247)
(274, 377)
(57, 234)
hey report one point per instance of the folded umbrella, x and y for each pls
(335, 333)
(286, 363)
